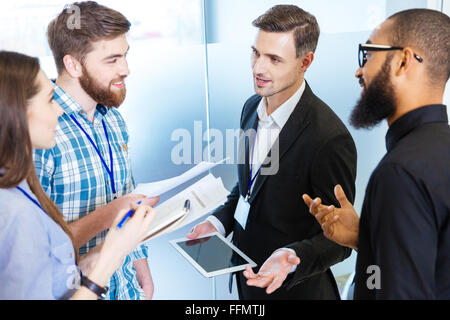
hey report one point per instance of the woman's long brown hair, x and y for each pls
(18, 84)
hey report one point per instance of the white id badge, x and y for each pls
(242, 210)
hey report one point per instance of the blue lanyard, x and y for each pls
(33, 200)
(252, 179)
(110, 171)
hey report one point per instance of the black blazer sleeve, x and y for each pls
(334, 163)
(225, 213)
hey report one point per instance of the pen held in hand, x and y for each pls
(125, 218)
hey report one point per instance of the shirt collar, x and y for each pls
(69, 105)
(24, 184)
(281, 115)
(408, 122)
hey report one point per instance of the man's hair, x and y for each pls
(96, 22)
(285, 18)
(428, 32)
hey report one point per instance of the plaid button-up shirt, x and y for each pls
(74, 177)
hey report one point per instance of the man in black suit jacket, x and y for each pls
(312, 153)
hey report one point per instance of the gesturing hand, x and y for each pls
(273, 272)
(340, 225)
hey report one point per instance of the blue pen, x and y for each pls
(128, 215)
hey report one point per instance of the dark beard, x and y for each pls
(377, 102)
(102, 95)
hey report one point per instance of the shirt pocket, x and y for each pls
(122, 167)
(63, 253)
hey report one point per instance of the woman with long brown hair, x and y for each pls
(37, 257)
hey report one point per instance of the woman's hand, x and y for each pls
(120, 242)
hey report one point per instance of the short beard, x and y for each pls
(377, 102)
(99, 93)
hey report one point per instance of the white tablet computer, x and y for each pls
(212, 254)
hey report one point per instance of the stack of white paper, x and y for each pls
(157, 188)
(205, 195)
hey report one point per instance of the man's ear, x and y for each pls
(72, 66)
(404, 63)
(307, 60)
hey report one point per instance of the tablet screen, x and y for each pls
(213, 254)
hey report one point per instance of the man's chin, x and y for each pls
(358, 122)
(367, 115)
(114, 105)
(115, 99)
(262, 91)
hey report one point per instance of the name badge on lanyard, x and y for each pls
(242, 211)
(108, 170)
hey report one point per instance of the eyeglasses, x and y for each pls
(363, 48)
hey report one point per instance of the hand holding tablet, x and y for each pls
(212, 254)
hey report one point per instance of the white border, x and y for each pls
(252, 264)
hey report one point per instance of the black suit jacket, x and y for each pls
(316, 152)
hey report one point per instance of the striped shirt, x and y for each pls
(74, 177)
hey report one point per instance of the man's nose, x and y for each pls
(260, 66)
(358, 73)
(124, 71)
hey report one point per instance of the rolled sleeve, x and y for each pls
(140, 252)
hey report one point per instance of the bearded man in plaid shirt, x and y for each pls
(88, 173)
